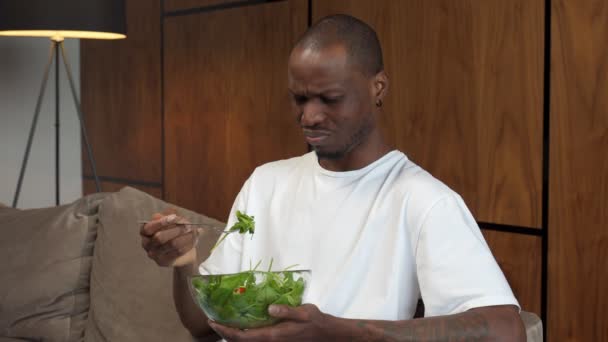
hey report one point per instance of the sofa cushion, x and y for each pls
(5, 208)
(131, 296)
(46, 262)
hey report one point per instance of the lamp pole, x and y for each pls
(57, 51)
(57, 40)
(83, 129)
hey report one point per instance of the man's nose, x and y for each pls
(312, 114)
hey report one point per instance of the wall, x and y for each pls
(125, 108)
(502, 100)
(22, 63)
(578, 172)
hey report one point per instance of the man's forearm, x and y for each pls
(482, 324)
(191, 316)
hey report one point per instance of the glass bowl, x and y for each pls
(241, 300)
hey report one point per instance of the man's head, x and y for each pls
(359, 40)
(337, 83)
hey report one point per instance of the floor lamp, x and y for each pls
(59, 19)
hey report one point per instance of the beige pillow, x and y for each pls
(131, 297)
(46, 262)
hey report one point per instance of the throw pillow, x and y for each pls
(131, 296)
(46, 263)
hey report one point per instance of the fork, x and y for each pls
(203, 225)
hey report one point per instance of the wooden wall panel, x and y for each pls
(519, 257)
(89, 188)
(174, 5)
(121, 97)
(226, 104)
(578, 191)
(465, 100)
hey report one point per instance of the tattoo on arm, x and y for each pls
(468, 326)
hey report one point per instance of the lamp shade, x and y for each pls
(58, 19)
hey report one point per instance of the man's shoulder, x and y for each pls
(420, 192)
(420, 187)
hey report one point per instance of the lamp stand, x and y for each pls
(57, 50)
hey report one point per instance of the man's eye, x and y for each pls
(298, 99)
(331, 100)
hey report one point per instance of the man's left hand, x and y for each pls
(302, 323)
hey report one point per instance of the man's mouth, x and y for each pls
(315, 137)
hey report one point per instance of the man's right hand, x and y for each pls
(171, 244)
(168, 243)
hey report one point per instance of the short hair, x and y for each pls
(358, 38)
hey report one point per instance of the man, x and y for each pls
(376, 230)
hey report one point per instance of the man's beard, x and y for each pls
(355, 140)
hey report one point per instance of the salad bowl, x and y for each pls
(241, 300)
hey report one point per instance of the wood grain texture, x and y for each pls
(121, 97)
(174, 5)
(226, 104)
(578, 174)
(465, 100)
(88, 187)
(520, 258)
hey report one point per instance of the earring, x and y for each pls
(378, 103)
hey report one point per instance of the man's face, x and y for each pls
(332, 100)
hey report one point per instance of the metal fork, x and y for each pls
(202, 225)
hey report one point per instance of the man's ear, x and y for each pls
(380, 85)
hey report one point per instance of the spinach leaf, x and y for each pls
(244, 224)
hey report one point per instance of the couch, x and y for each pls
(77, 272)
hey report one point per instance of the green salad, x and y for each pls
(241, 300)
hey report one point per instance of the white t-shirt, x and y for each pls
(376, 239)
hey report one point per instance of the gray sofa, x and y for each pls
(77, 272)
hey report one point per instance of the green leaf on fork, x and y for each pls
(244, 224)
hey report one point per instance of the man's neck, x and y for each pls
(368, 152)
